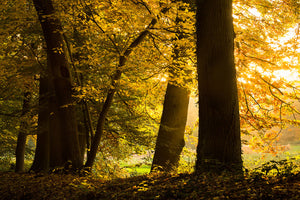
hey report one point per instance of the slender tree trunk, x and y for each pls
(101, 121)
(109, 98)
(64, 135)
(219, 144)
(83, 129)
(170, 140)
(110, 95)
(42, 152)
(89, 127)
(21, 142)
(82, 108)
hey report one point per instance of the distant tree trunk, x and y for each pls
(170, 140)
(42, 151)
(21, 142)
(83, 130)
(63, 127)
(219, 144)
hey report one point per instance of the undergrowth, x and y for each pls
(272, 180)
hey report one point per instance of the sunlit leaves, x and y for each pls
(267, 65)
(274, 180)
(21, 61)
(99, 35)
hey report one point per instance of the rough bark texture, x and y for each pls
(170, 140)
(21, 142)
(219, 129)
(63, 127)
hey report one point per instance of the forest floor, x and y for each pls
(256, 185)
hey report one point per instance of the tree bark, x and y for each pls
(170, 140)
(219, 144)
(64, 135)
(21, 141)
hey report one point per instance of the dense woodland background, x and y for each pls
(114, 89)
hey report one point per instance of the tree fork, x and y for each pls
(111, 92)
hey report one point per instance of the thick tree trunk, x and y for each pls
(56, 148)
(21, 142)
(219, 129)
(64, 136)
(170, 140)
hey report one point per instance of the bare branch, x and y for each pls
(270, 84)
(260, 59)
(125, 103)
(143, 4)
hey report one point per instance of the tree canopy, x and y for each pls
(127, 47)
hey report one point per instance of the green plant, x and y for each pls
(6, 163)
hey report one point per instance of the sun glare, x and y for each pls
(255, 12)
(289, 75)
(283, 41)
(163, 79)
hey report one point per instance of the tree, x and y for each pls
(170, 139)
(263, 53)
(24, 127)
(111, 92)
(64, 144)
(219, 127)
(266, 42)
(41, 160)
(18, 67)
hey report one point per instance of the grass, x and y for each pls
(295, 149)
(138, 166)
(251, 185)
(251, 161)
(138, 170)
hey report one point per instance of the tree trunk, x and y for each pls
(170, 140)
(219, 144)
(111, 92)
(56, 148)
(101, 120)
(64, 136)
(42, 151)
(21, 142)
